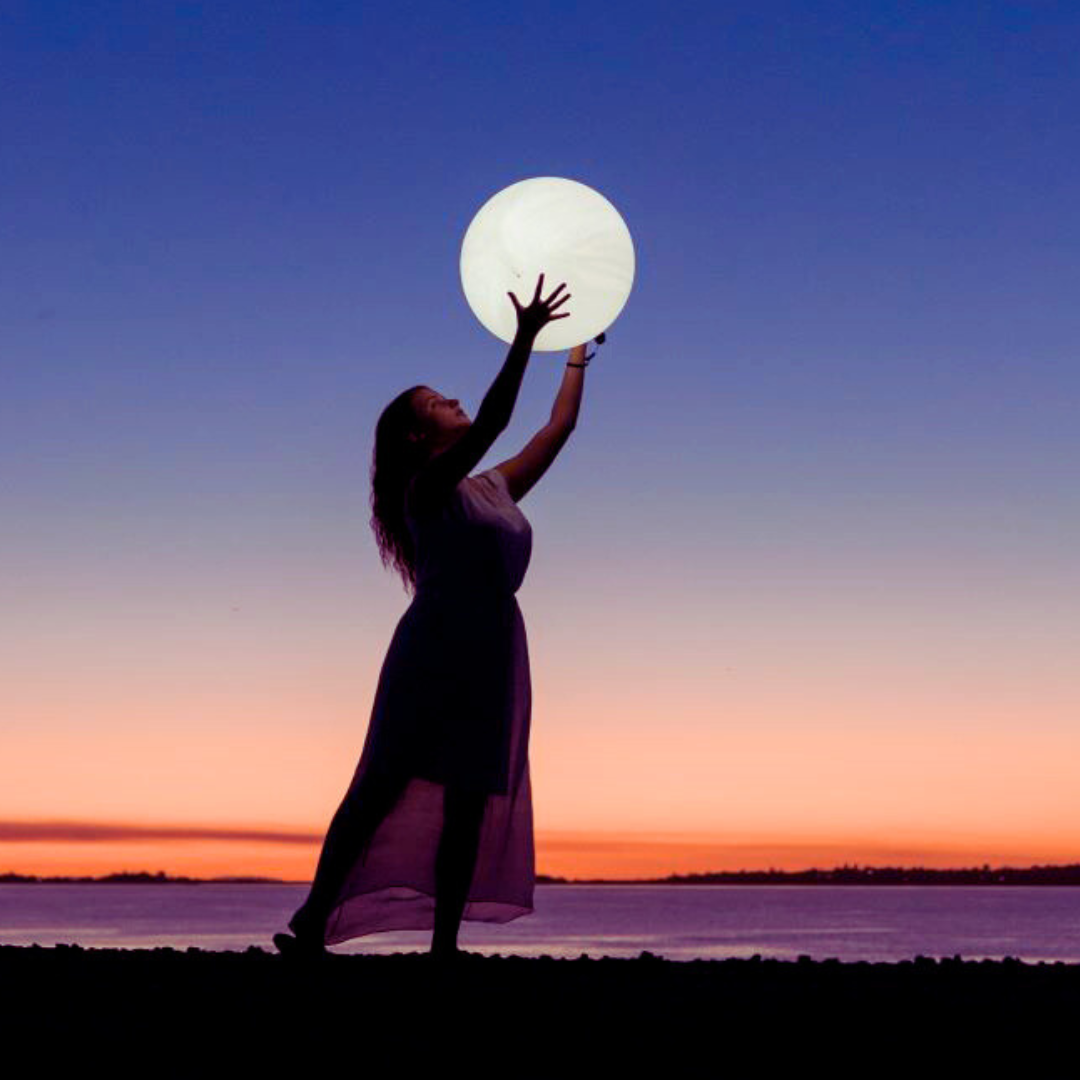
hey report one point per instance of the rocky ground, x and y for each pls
(195, 1013)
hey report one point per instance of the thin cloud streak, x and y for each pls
(97, 832)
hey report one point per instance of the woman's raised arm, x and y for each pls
(447, 469)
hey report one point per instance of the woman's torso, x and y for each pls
(453, 695)
(477, 543)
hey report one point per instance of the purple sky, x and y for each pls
(835, 425)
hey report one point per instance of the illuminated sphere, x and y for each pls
(557, 227)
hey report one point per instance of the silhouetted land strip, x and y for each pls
(844, 875)
(140, 877)
(170, 1012)
(871, 875)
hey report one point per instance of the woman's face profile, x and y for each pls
(439, 419)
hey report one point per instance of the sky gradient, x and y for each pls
(804, 579)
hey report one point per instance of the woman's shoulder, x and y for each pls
(491, 476)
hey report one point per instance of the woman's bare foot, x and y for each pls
(457, 956)
(442, 952)
(289, 945)
(307, 937)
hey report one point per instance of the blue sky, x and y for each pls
(845, 382)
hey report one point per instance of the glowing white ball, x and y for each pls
(562, 229)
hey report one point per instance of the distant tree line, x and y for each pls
(861, 875)
(139, 877)
(842, 875)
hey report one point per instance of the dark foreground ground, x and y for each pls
(163, 1012)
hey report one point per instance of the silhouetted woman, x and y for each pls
(436, 825)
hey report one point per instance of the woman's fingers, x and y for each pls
(546, 307)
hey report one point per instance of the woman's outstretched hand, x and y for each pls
(533, 319)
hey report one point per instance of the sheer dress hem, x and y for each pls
(402, 907)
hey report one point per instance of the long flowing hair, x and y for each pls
(395, 461)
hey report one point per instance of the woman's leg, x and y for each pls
(455, 861)
(347, 838)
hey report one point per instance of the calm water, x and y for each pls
(853, 922)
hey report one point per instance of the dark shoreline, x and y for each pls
(845, 875)
(194, 1010)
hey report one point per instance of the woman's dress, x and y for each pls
(452, 707)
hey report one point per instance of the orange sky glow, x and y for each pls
(612, 798)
